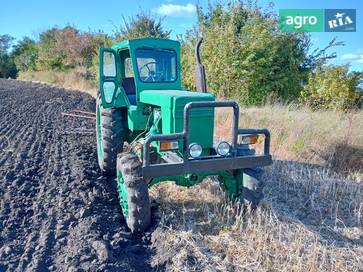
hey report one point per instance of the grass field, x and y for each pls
(73, 79)
(312, 216)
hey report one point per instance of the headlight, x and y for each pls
(195, 150)
(223, 148)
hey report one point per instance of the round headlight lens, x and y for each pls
(223, 148)
(195, 150)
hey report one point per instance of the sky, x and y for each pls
(21, 18)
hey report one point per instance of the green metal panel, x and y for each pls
(119, 98)
(136, 119)
(108, 79)
(166, 97)
(172, 104)
(169, 96)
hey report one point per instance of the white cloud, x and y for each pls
(353, 57)
(176, 10)
(350, 56)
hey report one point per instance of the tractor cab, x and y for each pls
(133, 66)
(143, 75)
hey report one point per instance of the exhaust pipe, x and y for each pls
(200, 70)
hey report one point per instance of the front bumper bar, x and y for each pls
(210, 163)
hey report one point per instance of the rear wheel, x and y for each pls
(111, 133)
(133, 192)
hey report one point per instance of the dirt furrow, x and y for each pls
(58, 213)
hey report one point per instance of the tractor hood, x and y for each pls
(169, 98)
(172, 104)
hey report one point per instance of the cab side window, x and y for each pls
(128, 68)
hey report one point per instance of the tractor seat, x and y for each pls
(128, 84)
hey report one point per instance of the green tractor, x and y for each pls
(150, 129)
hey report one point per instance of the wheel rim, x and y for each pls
(99, 134)
(122, 194)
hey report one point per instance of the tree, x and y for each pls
(25, 54)
(142, 25)
(48, 57)
(5, 44)
(77, 47)
(333, 87)
(7, 65)
(246, 56)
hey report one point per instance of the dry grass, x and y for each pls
(312, 216)
(330, 139)
(74, 79)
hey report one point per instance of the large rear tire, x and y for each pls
(133, 192)
(111, 132)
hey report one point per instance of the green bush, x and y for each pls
(332, 87)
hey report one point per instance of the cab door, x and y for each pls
(109, 71)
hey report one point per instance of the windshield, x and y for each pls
(156, 65)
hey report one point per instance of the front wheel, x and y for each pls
(133, 192)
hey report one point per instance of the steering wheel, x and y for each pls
(152, 75)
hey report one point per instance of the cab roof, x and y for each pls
(147, 42)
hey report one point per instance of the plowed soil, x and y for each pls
(57, 212)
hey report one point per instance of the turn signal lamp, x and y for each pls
(252, 139)
(166, 146)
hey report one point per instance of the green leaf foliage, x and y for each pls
(48, 57)
(333, 87)
(246, 56)
(25, 54)
(140, 26)
(7, 65)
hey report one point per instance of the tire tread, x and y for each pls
(113, 130)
